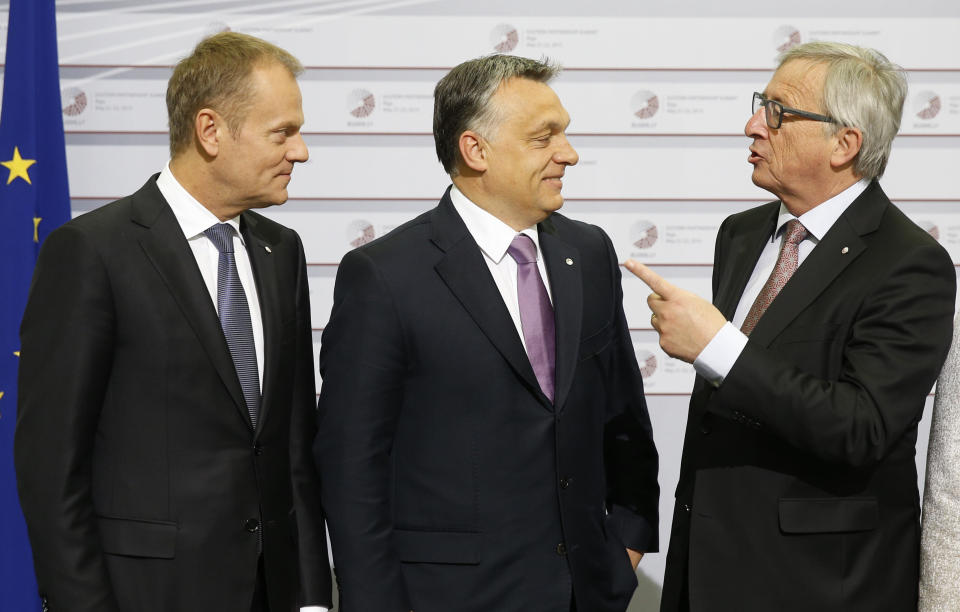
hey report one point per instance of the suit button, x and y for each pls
(686, 507)
(561, 549)
(251, 525)
(565, 482)
(257, 449)
(704, 429)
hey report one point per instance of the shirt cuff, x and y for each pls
(314, 609)
(717, 358)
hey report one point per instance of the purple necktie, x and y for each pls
(536, 313)
(785, 267)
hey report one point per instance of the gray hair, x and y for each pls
(461, 100)
(861, 89)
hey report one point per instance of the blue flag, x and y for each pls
(34, 199)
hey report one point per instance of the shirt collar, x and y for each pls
(819, 219)
(194, 218)
(492, 235)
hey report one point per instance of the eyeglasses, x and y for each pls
(774, 112)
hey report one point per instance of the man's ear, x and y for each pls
(849, 141)
(473, 150)
(209, 127)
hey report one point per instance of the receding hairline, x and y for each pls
(495, 103)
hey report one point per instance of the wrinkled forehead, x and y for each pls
(797, 82)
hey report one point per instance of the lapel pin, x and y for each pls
(844, 250)
(569, 261)
(267, 249)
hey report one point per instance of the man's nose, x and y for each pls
(298, 151)
(566, 154)
(756, 126)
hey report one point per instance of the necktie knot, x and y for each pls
(795, 232)
(787, 262)
(221, 235)
(522, 249)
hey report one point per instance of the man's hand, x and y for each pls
(685, 321)
(634, 558)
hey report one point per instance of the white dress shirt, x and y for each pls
(717, 358)
(194, 218)
(493, 236)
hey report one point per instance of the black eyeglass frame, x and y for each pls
(766, 103)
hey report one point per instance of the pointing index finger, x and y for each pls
(653, 280)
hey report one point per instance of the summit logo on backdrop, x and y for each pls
(785, 38)
(74, 101)
(644, 104)
(361, 103)
(647, 362)
(930, 227)
(504, 38)
(927, 105)
(643, 234)
(360, 232)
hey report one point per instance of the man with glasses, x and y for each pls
(830, 320)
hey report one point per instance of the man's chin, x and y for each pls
(552, 204)
(276, 200)
(759, 179)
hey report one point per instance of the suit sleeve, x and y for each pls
(67, 339)
(630, 455)
(940, 548)
(362, 363)
(890, 358)
(314, 564)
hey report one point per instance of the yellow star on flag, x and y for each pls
(18, 167)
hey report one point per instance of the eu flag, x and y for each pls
(34, 199)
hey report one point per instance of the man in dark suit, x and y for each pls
(484, 442)
(166, 388)
(832, 317)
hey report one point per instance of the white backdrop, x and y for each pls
(658, 95)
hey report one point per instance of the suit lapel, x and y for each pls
(260, 250)
(465, 273)
(745, 251)
(841, 245)
(168, 251)
(567, 292)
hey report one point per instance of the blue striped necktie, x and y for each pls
(234, 314)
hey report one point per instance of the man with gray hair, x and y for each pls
(484, 443)
(831, 318)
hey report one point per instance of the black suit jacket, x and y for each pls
(142, 481)
(798, 487)
(449, 480)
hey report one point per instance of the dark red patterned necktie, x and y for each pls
(786, 266)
